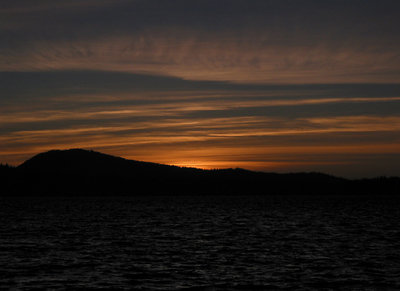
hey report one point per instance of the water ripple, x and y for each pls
(200, 243)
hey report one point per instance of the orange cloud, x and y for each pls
(195, 57)
(175, 107)
(179, 141)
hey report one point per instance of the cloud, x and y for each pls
(212, 59)
(56, 85)
(258, 84)
(237, 41)
(169, 109)
(218, 141)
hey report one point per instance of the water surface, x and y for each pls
(200, 243)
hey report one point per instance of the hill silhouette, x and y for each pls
(82, 172)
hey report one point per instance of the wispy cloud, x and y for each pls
(237, 41)
(211, 59)
(176, 141)
(268, 85)
(169, 107)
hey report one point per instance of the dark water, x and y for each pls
(225, 243)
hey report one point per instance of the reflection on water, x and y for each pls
(201, 243)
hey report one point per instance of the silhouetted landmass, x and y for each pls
(81, 172)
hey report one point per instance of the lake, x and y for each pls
(201, 243)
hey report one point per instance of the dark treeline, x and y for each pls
(80, 172)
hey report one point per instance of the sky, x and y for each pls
(274, 86)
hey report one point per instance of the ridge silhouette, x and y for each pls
(81, 172)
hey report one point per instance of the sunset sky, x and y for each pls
(282, 86)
